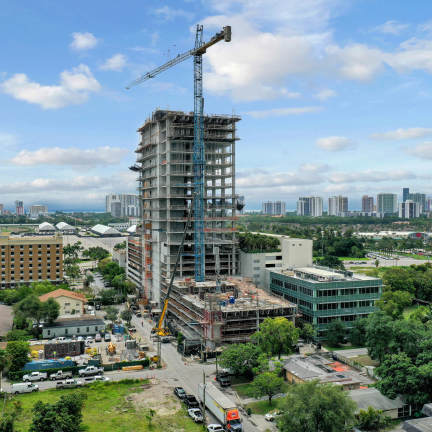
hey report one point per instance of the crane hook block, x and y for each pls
(227, 34)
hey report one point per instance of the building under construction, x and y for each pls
(226, 312)
(166, 182)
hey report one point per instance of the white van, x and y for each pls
(24, 388)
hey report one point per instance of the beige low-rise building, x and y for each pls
(71, 303)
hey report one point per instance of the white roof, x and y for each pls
(46, 226)
(103, 229)
(132, 229)
(63, 226)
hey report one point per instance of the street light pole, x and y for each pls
(204, 399)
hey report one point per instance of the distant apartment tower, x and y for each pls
(420, 199)
(123, 205)
(38, 210)
(429, 204)
(30, 259)
(310, 206)
(338, 206)
(165, 164)
(409, 209)
(1, 209)
(367, 204)
(405, 194)
(19, 208)
(274, 208)
(387, 203)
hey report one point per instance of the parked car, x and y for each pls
(60, 375)
(107, 337)
(215, 428)
(61, 338)
(35, 376)
(138, 314)
(132, 329)
(90, 370)
(24, 388)
(89, 339)
(69, 383)
(80, 338)
(271, 416)
(191, 401)
(196, 415)
(180, 392)
(98, 338)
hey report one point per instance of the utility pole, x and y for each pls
(204, 399)
(159, 351)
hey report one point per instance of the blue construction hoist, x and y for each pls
(198, 147)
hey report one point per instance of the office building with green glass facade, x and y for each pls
(324, 295)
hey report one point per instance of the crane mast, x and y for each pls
(198, 145)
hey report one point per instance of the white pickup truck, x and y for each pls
(60, 375)
(90, 370)
(35, 376)
(69, 383)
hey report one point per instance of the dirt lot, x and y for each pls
(5, 319)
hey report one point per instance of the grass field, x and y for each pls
(117, 407)
(243, 390)
(263, 407)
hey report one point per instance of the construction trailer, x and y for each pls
(166, 182)
(226, 312)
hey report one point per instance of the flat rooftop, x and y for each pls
(318, 274)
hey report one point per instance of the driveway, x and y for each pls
(6, 319)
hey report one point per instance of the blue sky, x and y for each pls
(334, 95)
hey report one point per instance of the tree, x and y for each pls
(17, 353)
(65, 415)
(50, 310)
(335, 334)
(371, 419)
(315, 407)
(357, 334)
(72, 271)
(89, 279)
(307, 332)
(332, 262)
(32, 308)
(266, 384)
(18, 335)
(126, 315)
(111, 313)
(399, 279)
(394, 302)
(240, 358)
(276, 336)
(379, 331)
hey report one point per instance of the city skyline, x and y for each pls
(339, 96)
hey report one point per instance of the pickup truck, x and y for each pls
(69, 383)
(60, 375)
(35, 376)
(90, 370)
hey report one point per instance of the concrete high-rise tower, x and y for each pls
(165, 164)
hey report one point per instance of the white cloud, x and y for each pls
(426, 27)
(423, 151)
(325, 94)
(83, 41)
(7, 141)
(169, 14)
(391, 27)
(74, 88)
(401, 134)
(334, 143)
(371, 176)
(73, 157)
(115, 63)
(414, 54)
(276, 112)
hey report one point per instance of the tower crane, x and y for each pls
(197, 52)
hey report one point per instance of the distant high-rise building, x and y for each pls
(19, 208)
(310, 206)
(337, 206)
(1, 209)
(38, 210)
(429, 204)
(367, 204)
(420, 199)
(123, 205)
(387, 203)
(274, 208)
(409, 209)
(405, 194)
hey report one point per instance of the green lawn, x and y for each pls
(262, 407)
(243, 390)
(109, 408)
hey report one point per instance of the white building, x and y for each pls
(38, 210)
(65, 228)
(409, 209)
(46, 228)
(104, 230)
(337, 206)
(293, 253)
(387, 203)
(274, 208)
(310, 206)
(123, 205)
